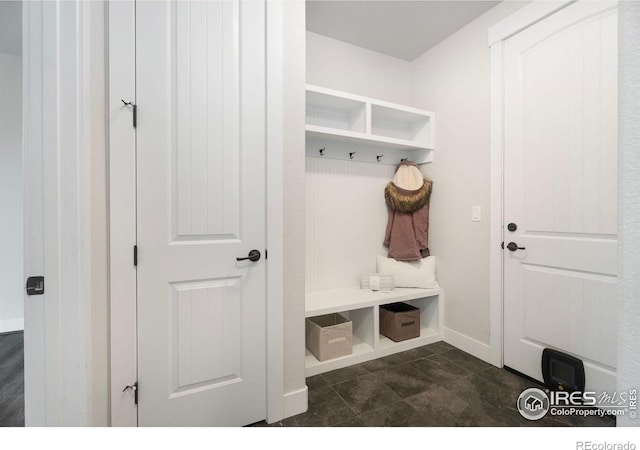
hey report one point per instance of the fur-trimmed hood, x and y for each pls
(404, 201)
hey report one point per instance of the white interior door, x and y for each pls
(560, 190)
(200, 91)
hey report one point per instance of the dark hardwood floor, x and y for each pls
(12, 379)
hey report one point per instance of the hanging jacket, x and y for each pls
(408, 223)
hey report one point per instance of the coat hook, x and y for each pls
(351, 155)
(403, 159)
(322, 151)
(126, 103)
(379, 157)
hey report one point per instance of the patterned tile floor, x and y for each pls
(434, 385)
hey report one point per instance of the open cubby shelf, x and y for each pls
(340, 125)
(362, 308)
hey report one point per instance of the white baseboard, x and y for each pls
(7, 326)
(468, 344)
(296, 402)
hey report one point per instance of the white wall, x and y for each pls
(346, 67)
(629, 203)
(452, 79)
(11, 199)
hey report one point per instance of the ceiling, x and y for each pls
(11, 27)
(404, 29)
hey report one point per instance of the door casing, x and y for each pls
(122, 213)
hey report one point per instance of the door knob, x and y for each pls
(254, 255)
(512, 246)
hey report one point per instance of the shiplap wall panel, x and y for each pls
(59, 387)
(572, 162)
(208, 141)
(571, 311)
(346, 217)
(206, 347)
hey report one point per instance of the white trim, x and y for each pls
(35, 392)
(496, 209)
(122, 212)
(57, 213)
(468, 344)
(296, 402)
(11, 325)
(524, 18)
(276, 402)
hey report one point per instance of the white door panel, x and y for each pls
(200, 90)
(560, 190)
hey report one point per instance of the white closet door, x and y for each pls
(561, 191)
(200, 88)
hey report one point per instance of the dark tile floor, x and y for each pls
(12, 380)
(434, 385)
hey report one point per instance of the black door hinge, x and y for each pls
(502, 245)
(134, 388)
(35, 286)
(266, 254)
(134, 107)
(135, 255)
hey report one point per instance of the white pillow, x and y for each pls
(410, 274)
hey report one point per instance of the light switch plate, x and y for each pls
(476, 213)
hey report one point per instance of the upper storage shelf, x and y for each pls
(346, 126)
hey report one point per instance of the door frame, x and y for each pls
(122, 212)
(62, 326)
(506, 28)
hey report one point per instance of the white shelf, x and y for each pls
(326, 302)
(362, 308)
(359, 348)
(335, 111)
(363, 352)
(386, 343)
(339, 123)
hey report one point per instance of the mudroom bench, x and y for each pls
(361, 307)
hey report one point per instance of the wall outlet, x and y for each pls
(476, 213)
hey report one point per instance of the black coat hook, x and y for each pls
(379, 157)
(351, 155)
(403, 159)
(322, 151)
